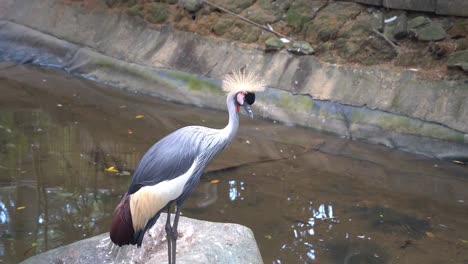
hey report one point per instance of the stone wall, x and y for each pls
(441, 7)
(397, 109)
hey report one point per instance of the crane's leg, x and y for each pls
(175, 234)
(168, 234)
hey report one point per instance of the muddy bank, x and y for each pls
(397, 109)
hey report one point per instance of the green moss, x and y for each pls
(406, 125)
(128, 69)
(194, 83)
(222, 26)
(136, 10)
(357, 116)
(158, 12)
(295, 19)
(299, 103)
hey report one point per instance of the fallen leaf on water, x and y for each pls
(458, 162)
(214, 181)
(21, 208)
(464, 241)
(268, 237)
(430, 234)
(122, 106)
(126, 173)
(34, 244)
(139, 116)
(111, 169)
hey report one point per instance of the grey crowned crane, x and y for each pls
(170, 170)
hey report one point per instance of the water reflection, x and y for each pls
(235, 190)
(308, 198)
(38, 154)
(304, 232)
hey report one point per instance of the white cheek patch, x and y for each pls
(240, 98)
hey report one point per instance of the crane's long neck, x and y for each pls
(231, 129)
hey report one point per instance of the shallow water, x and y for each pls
(308, 197)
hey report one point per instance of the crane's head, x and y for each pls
(243, 84)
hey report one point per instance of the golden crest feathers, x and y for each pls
(243, 80)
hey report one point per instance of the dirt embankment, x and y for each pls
(343, 33)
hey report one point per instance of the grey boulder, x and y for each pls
(199, 242)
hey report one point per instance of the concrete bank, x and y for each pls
(396, 109)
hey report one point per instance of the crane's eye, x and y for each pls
(250, 98)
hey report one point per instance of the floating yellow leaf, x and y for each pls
(464, 241)
(430, 234)
(34, 244)
(21, 208)
(139, 116)
(214, 181)
(111, 169)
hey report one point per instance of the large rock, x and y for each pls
(397, 29)
(418, 22)
(432, 31)
(199, 242)
(302, 11)
(191, 5)
(301, 48)
(273, 44)
(416, 5)
(459, 59)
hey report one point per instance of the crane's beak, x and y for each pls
(248, 110)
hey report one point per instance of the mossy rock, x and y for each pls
(136, 10)
(222, 26)
(302, 11)
(273, 44)
(236, 30)
(261, 16)
(301, 48)
(191, 5)
(430, 32)
(459, 59)
(250, 35)
(418, 22)
(329, 21)
(234, 6)
(157, 12)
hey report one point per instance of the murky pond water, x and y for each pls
(308, 197)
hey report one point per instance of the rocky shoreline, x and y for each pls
(397, 109)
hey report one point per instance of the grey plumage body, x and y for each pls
(174, 154)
